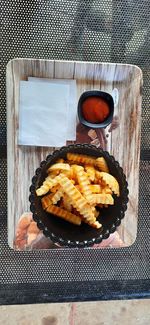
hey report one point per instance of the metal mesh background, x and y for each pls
(115, 31)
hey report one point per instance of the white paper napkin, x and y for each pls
(72, 113)
(43, 114)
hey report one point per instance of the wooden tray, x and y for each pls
(123, 141)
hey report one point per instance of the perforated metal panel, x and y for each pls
(115, 31)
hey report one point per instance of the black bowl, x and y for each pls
(65, 233)
(92, 93)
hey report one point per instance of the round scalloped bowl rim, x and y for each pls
(84, 243)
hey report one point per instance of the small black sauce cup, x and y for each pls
(101, 94)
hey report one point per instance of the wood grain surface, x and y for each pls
(123, 142)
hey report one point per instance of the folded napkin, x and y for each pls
(43, 114)
(71, 128)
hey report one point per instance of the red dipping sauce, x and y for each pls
(95, 109)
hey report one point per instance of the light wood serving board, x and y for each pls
(123, 142)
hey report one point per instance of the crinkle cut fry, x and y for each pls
(95, 188)
(111, 182)
(83, 182)
(67, 202)
(59, 166)
(77, 199)
(46, 200)
(107, 190)
(47, 185)
(97, 177)
(102, 199)
(81, 159)
(66, 215)
(96, 224)
(90, 172)
(57, 196)
(51, 198)
(55, 188)
(102, 164)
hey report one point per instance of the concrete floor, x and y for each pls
(92, 313)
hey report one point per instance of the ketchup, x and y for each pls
(95, 109)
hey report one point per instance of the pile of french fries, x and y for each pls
(76, 188)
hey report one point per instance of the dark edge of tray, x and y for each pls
(51, 292)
